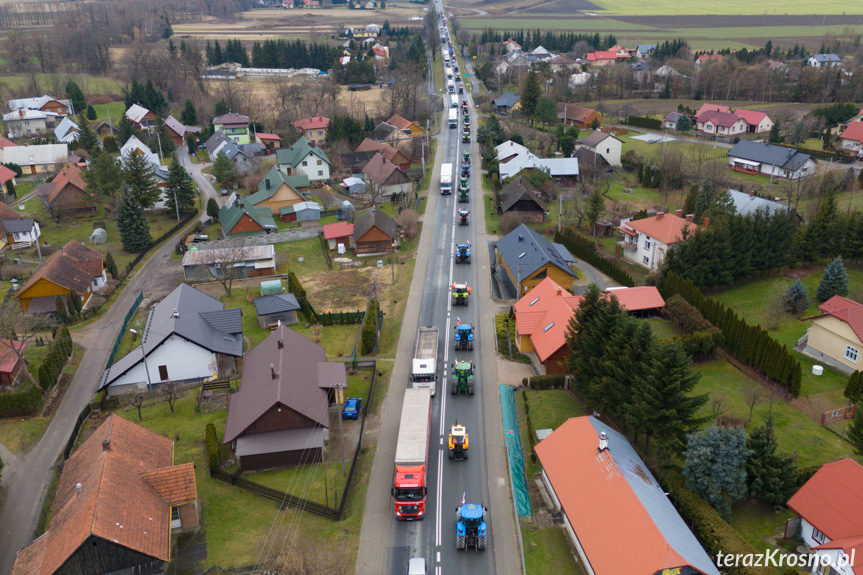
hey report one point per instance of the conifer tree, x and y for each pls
(775, 135)
(138, 177)
(224, 171)
(834, 281)
(111, 265)
(74, 302)
(855, 431)
(60, 304)
(772, 477)
(854, 387)
(74, 93)
(716, 466)
(796, 299)
(530, 92)
(179, 186)
(213, 208)
(87, 137)
(10, 188)
(189, 115)
(134, 228)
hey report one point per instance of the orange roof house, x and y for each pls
(835, 336)
(72, 267)
(706, 58)
(646, 241)
(314, 129)
(580, 116)
(410, 128)
(607, 495)
(268, 141)
(69, 197)
(830, 510)
(852, 137)
(119, 498)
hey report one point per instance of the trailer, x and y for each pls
(411, 462)
(453, 118)
(446, 178)
(453, 101)
(424, 365)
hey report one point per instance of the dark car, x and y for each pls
(352, 408)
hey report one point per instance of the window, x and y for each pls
(818, 536)
(305, 163)
(320, 132)
(851, 353)
(647, 244)
(320, 162)
(646, 260)
(320, 172)
(176, 523)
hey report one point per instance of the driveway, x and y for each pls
(204, 181)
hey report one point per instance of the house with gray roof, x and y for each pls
(605, 145)
(749, 204)
(522, 197)
(272, 309)
(644, 51)
(303, 157)
(281, 415)
(240, 260)
(506, 103)
(751, 157)
(528, 258)
(188, 336)
(824, 61)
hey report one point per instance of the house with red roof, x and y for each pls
(602, 58)
(852, 137)
(758, 122)
(338, 233)
(646, 241)
(706, 59)
(10, 361)
(606, 495)
(721, 124)
(268, 142)
(835, 336)
(314, 129)
(711, 108)
(829, 510)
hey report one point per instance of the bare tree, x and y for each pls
(775, 394)
(718, 406)
(138, 402)
(774, 311)
(18, 331)
(408, 222)
(752, 397)
(222, 266)
(172, 391)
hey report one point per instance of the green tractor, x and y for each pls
(463, 190)
(462, 377)
(460, 294)
(465, 135)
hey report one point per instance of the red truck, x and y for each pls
(412, 450)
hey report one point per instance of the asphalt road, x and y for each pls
(386, 544)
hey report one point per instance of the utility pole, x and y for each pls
(341, 404)
(559, 210)
(161, 158)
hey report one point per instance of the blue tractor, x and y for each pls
(464, 337)
(462, 254)
(471, 529)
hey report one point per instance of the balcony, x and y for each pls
(628, 246)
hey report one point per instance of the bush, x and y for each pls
(700, 345)
(643, 122)
(686, 316)
(59, 352)
(213, 457)
(555, 381)
(509, 221)
(296, 288)
(27, 399)
(369, 338)
(408, 222)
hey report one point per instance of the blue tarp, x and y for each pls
(514, 452)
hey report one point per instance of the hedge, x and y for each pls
(644, 122)
(26, 399)
(700, 345)
(585, 248)
(554, 381)
(531, 433)
(706, 524)
(213, 456)
(369, 338)
(686, 316)
(296, 288)
(59, 352)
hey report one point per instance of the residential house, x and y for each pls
(35, 159)
(301, 212)
(670, 121)
(119, 507)
(513, 160)
(580, 116)
(44, 103)
(278, 190)
(576, 80)
(389, 134)
(235, 126)
(641, 72)
(352, 186)
(590, 162)
(644, 51)
(281, 415)
(748, 204)
(7, 174)
(857, 118)
(338, 233)
(603, 58)
(824, 61)
(314, 129)
(135, 146)
(829, 510)
(188, 336)
(10, 363)
(179, 131)
(103, 129)
(381, 52)
(242, 219)
(515, 62)
(356, 161)
(374, 233)
(835, 336)
(758, 122)
(721, 124)
(72, 267)
(528, 258)
(711, 108)
(522, 197)
(410, 128)
(542, 55)
(244, 261)
(272, 309)
(69, 197)
(385, 178)
(541, 319)
(24, 123)
(605, 492)
(646, 241)
(665, 73)
(510, 45)
(16, 230)
(270, 142)
(390, 153)
(506, 103)
(704, 59)
(852, 137)
(66, 131)
(603, 144)
(303, 157)
(143, 118)
(760, 158)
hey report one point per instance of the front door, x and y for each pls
(163, 372)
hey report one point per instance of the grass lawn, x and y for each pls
(321, 483)
(663, 328)
(492, 219)
(288, 256)
(19, 434)
(758, 523)
(796, 433)
(548, 551)
(113, 112)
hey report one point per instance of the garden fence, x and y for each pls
(126, 320)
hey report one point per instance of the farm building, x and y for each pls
(375, 233)
(352, 186)
(521, 196)
(36, 159)
(69, 196)
(246, 262)
(272, 309)
(338, 233)
(301, 212)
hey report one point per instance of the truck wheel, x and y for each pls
(481, 544)
(465, 303)
(459, 542)
(450, 454)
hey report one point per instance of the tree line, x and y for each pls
(554, 41)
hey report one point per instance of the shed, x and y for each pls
(338, 233)
(301, 212)
(272, 309)
(352, 186)
(99, 236)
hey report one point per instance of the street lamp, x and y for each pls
(144, 354)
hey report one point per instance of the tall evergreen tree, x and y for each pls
(834, 281)
(74, 93)
(595, 206)
(111, 265)
(796, 299)
(775, 135)
(126, 129)
(87, 137)
(855, 431)
(716, 466)
(91, 113)
(530, 93)
(102, 177)
(854, 387)
(213, 209)
(60, 305)
(224, 171)
(772, 477)
(138, 178)
(133, 226)
(10, 188)
(179, 186)
(189, 115)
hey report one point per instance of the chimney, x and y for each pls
(659, 215)
(79, 487)
(281, 343)
(520, 237)
(603, 442)
(176, 314)
(559, 290)
(678, 213)
(751, 193)
(267, 183)
(690, 217)
(106, 444)
(706, 221)
(272, 371)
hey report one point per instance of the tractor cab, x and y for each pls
(465, 170)
(462, 253)
(459, 441)
(463, 218)
(462, 377)
(460, 293)
(464, 337)
(471, 528)
(465, 158)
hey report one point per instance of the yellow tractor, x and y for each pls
(458, 442)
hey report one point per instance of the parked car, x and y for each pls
(224, 191)
(352, 408)
(417, 566)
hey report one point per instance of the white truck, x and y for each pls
(448, 72)
(450, 86)
(446, 179)
(453, 116)
(453, 101)
(424, 366)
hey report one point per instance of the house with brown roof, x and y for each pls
(143, 118)
(721, 123)
(605, 495)
(103, 128)
(72, 267)
(390, 153)
(580, 116)
(646, 241)
(69, 197)
(520, 196)
(604, 145)
(10, 361)
(281, 415)
(407, 127)
(16, 230)
(835, 336)
(829, 520)
(268, 142)
(375, 233)
(386, 177)
(179, 131)
(120, 503)
(314, 129)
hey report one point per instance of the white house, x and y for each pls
(303, 157)
(646, 241)
(852, 137)
(752, 157)
(824, 61)
(513, 158)
(644, 51)
(830, 516)
(188, 336)
(721, 123)
(66, 131)
(603, 144)
(24, 123)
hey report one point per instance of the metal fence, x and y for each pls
(70, 443)
(132, 309)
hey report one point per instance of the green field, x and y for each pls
(637, 7)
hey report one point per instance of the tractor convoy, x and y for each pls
(462, 253)
(460, 294)
(462, 377)
(463, 336)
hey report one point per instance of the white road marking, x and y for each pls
(439, 497)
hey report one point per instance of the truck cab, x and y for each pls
(423, 374)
